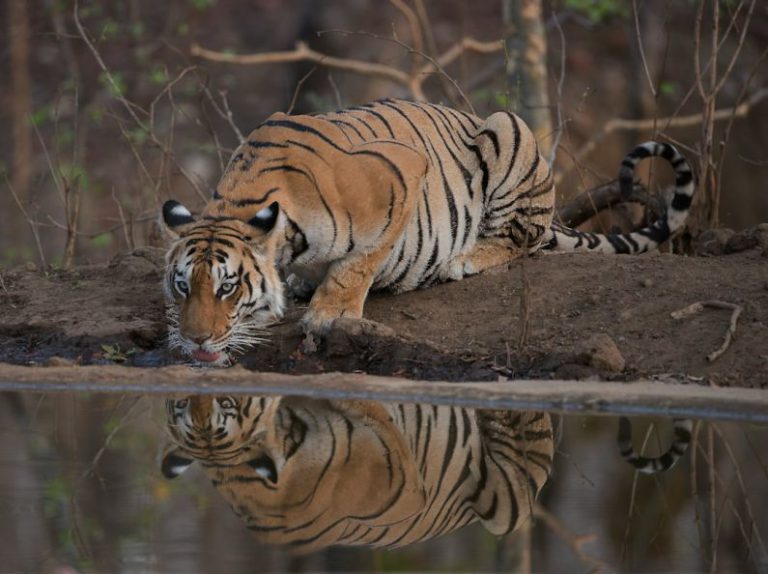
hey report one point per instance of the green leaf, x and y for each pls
(599, 10)
(201, 5)
(102, 240)
(158, 76)
(137, 29)
(97, 114)
(109, 30)
(116, 87)
(39, 117)
(668, 88)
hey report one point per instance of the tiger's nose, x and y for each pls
(199, 339)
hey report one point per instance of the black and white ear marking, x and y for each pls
(266, 218)
(175, 214)
(264, 467)
(174, 464)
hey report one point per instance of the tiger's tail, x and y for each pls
(562, 238)
(651, 465)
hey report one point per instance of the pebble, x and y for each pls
(626, 315)
(601, 352)
(58, 362)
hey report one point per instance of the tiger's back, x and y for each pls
(472, 168)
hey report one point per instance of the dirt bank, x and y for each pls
(468, 330)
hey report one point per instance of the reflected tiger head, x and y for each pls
(221, 284)
(297, 470)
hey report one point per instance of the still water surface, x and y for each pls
(271, 485)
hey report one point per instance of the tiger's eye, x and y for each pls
(226, 289)
(182, 287)
(226, 403)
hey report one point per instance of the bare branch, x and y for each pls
(417, 38)
(303, 53)
(591, 202)
(413, 82)
(32, 224)
(641, 49)
(130, 107)
(618, 124)
(559, 106)
(336, 92)
(298, 89)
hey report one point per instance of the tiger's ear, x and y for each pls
(266, 218)
(174, 463)
(175, 215)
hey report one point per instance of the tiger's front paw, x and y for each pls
(318, 321)
(346, 335)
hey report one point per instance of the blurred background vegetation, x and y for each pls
(112, 107)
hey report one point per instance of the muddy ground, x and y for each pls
(468, 330)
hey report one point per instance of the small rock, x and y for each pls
(626, 315)
(58, 362)
(31, 267)
(712, 241)
(741, 241)
(761, 233)
(647, 282)
(601, 352)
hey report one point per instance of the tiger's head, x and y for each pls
(298, 471)
(221, 284)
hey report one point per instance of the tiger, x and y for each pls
(311, 473)
(393, 195)
(681, 429)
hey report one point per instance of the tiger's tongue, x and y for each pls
(205, 356)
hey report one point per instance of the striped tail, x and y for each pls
(562, 238)
(652, 465)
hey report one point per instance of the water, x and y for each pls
(81, 490)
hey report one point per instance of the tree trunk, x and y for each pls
(18, 32)
(527, 67)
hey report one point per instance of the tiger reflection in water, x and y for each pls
(313, 473)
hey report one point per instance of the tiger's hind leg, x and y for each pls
(517, 191)
(487, 253)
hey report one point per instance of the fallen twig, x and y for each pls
(697, 307)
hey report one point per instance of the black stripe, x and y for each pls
(310, 177)
(513, 159)
(368, 108)
(246, 202)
